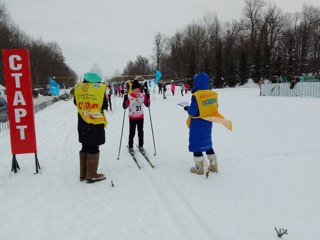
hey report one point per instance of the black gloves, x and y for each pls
(125, 98)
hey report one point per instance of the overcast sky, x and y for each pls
(113, 32)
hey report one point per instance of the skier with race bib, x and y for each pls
(135, 102)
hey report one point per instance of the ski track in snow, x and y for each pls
(185, 222)
(273, 155)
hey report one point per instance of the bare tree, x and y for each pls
(176, 60)
(263, 43)
(232, 30)
(213, 32)
(252, 23)
(270, 36)
(252, 20)
(308, 22)
(315, 50)
(140, 67)
(160, 42)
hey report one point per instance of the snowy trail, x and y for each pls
(183, 216)
(185, 222)
(268, 176)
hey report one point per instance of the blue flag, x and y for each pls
(158, 76)
(54, 87)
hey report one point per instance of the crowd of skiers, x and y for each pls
(119, 89)
(92, 97)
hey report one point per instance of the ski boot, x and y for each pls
(131, 150)
(141, 149)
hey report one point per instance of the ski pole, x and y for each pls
(154, 144)
(124, 114)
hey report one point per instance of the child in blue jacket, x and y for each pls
(202, 111)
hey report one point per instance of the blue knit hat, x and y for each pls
(201, 81)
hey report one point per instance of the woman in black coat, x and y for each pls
(90, 99)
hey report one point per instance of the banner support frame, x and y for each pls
(37, 163)
(15, 165)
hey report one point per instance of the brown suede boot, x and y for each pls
(83, 165)
(213, 167)
(200, 165)
(92, 166)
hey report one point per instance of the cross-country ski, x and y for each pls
(131, 152)
(143, 153)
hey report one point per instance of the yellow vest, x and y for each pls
(89, 99)
(130, 87)
(207, 101)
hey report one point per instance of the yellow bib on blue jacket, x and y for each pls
(207, 101)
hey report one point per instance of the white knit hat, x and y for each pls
(94, 74)
(96, 69)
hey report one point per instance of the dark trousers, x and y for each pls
(133, 124)
(91, 149)
(199, 154)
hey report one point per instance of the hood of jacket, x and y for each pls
(201, 82)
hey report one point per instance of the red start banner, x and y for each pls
(16, 67)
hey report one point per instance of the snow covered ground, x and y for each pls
(268, 176)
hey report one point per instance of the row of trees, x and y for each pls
(264, 43)
(46, 59)
(140, 67)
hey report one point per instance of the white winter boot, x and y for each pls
(200, 165)
(213, 166)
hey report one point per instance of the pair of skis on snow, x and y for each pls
(145, 157)
(148, 160)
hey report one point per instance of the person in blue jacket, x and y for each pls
(203, 104)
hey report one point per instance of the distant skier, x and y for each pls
(90, 99)
(115, 89)
(173, 87)
(202, 111)
(109, 94)
(122, 89)
(160, 87)
(186, 87)
(135, 102)
(182, 88)
(164, 91)
(129, 86)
